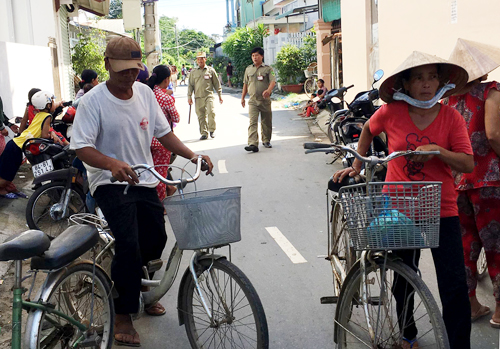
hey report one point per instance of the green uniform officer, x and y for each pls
(259, 83)
(202, 81)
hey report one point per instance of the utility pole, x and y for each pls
(151, 42)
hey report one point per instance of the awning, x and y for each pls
(298, 11)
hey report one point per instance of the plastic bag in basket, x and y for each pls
(391, 228)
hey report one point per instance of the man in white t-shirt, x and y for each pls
(113, 129)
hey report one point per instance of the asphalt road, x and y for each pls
(282, 190)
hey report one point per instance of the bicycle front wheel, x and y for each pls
(86, 299)
(238, 320)
(414, 315)
(310, 87)
(44, 211)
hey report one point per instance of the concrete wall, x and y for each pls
(405, 26)
(355, 54)
(32, 67)
(28, 22)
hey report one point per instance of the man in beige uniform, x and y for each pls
(202, 81)
(259, 83)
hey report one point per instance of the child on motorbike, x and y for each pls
(12, 157)
(414, 120)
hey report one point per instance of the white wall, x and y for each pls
(407, 26)
(428, 26)
(27, 21)
(355, 26)
(32, 67)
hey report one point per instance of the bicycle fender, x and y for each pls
(185, 278)
(57, 175)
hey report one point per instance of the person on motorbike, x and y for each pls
(113, 129)
(12, 157)
(414, 120)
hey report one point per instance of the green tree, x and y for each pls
(88, 53)
(115, 10)
(239, 46)
(309, 49)
(290, 64)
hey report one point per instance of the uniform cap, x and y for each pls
(477, 58)
(201, 55)
(124, 53)
(448, 72)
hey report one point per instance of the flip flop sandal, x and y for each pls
(484, 310)
(155, 310)
(411, 341)
(9, 196)
(20, 194)
(126, 344)
(494, 324)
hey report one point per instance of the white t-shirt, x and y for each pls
(121, 129)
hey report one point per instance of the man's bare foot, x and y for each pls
(125, 333)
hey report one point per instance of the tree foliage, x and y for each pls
(309, 49)
(115, 10)
(188, 41)
(290, 64)
(88, 53)
(239, 46)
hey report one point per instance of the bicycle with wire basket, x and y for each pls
(74, 306)
(378, 296)
(217, 303)
(311, 84)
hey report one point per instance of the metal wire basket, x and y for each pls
(203, 219)
(392, 215)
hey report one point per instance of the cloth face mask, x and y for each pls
(399, 96)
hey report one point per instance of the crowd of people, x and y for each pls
(464, 127)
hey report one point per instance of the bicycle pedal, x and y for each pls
(329, 300)
(155, 265)
(374, 301)
(93, 341)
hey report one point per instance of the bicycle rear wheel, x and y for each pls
(72, 295)
(310, 87)
(239, 320)
(340, 245)
(423, 316)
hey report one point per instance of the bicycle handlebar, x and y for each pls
(371, 160)
(178, 182)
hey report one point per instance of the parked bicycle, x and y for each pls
(217, 303)
(311, 84)
(374, 220)
(74, 306)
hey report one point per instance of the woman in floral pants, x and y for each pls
(479, 191)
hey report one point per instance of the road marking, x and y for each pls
(222, 166)
(286, 245)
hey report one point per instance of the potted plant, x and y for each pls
(290, 65)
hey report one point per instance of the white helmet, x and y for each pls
(41, 99)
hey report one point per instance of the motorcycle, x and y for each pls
(60, 190)
(345, 124)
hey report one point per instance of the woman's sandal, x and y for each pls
(412, 342)
(483, 311)
(494, 324)
(122, 342)
(155, 310)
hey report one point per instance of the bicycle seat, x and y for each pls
(24, 245)
(65, 248)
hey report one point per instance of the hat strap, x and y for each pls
(399, 96)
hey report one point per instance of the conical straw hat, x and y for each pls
(448, 72)
(478, 59)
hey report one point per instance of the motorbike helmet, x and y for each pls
(41, 99)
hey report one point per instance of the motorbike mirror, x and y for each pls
(378, 75)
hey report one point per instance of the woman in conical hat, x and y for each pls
(414, 119)
(479, 191)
